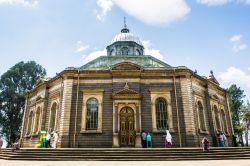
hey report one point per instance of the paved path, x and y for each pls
(127, 163)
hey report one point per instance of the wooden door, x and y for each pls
(127, 132)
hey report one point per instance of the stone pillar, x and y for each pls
(188, 110)
(115, 126)
(138, 126)
(66, 111)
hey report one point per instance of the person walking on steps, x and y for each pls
(205, 144)
(225, 140)
(48, 139)
(168, 140)
(221, 140)
(55, 139)
(149, 141)
(144, 139)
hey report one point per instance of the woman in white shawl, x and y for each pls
(55, 139)
(168, 140)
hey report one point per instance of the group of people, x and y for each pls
(221, 138)
(146, 139)
(50, 140)
(14, 146)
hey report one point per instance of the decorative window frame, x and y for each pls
(164, 93)
(29, 132)
(39, 119)
(98, 95)
(223, 118)
(213, 105)
(201, 100)
(56, 116)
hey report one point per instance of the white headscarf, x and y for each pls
(168, 136)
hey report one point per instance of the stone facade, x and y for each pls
(195, 106)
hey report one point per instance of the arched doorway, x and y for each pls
(127, 131)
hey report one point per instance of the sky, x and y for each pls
(203, 35)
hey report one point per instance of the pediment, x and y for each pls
(39, 82)
(126, 66)
(126, 92)
(212, 78)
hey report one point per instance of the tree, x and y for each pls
(236, 96)
(245, 118)
(14, 84)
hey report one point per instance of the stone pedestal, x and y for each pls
(138, 140)
(116, 140)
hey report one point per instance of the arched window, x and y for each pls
(30, 123)
(224, 119)
(201, 116)
(124, 51)
(217, 118)
(92, 114)
(161, 114)
(53, 116)
(37, 120)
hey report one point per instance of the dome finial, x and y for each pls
(125, 26)
(125, 29)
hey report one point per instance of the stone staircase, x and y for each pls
(123, 154)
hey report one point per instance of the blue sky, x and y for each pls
(200, 34)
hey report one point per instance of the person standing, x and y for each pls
(55, 139)
(1, 143)
(149, 141)
(15, 145)
(225, 140)
(168, 140)
(221, 140)
(205, 144)
(48, 139)
(144, 139)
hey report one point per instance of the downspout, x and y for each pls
(77, 96)
(24, 116)
(177, 110)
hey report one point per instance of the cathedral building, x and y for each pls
(109, 101)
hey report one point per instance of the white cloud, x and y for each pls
(26, 3)
(148, 50)
(237, 44)
(93, 55)
(80, 47)
(213, 2)
(247, 2)
(105, 6)
(153, 12)
(235, 75)
(221, 2)
(236, 38)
